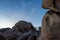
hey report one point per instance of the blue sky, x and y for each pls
(12, 11)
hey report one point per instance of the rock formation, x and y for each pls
(50, 29)
(51, 26)
(21, 31)
(23, 26)
(52, 5)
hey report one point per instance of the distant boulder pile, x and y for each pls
(21, 31)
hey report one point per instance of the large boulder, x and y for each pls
(23, 26)
(50, 29)
(52, 5)
(21, 31)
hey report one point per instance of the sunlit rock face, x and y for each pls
(52, 5)
(51, 21)
(51, 26)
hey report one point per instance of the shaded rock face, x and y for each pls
(39, 30)
(39, 35)
(21, 31)
(2, 37)
(52, 5)
(32, 37)
(12, 37)
(4, 29)
(24, 26)
(51, 26)
(25, 36)
(28, 36)
(21, 26)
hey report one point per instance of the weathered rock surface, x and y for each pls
(21, 31)
(23, 26)
(50, 26)
(51, 21)
(52, 5)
